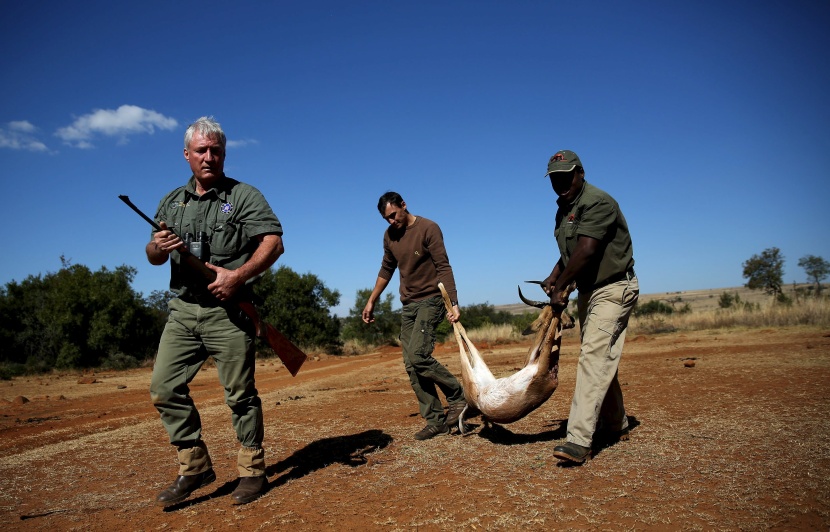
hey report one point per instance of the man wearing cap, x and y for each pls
(596, 252)
(414, 246)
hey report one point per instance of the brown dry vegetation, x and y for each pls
(737, 442)
(698, 300)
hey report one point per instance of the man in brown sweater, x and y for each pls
(415, 246)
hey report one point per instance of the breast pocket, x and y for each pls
(569, 230)
(226, 240)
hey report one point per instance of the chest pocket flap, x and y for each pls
(227, 239)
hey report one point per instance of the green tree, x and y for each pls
(816, 269)
(299, 306)
(384, 330)
(482, 314)
(75, 318)
(765, 271)
(158, 299)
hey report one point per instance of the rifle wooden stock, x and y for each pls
(289, 354)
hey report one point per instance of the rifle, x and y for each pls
(290, 355)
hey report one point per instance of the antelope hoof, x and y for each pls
(461, 420)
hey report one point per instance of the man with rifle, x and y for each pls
(232, 230)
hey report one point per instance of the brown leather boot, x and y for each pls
(249, 489)
(572, 452)
(183, 486)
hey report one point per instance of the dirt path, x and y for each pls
(739, 441)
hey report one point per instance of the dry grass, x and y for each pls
(763, 312)
(739, 442)
(494, 334)
(811, 312)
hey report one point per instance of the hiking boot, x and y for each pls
(431, 431)
(572, 452)
(183, 486)
(249, 489)
(454, 412)
(605, 438)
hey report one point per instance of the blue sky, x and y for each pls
(707, 121)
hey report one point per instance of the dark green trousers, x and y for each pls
(418, 323)
(191, 335)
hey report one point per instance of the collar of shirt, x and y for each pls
(221, 189)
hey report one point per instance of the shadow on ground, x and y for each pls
(500, 435)
(348, 450)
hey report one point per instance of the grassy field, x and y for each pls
(698, 300)
(702, 312)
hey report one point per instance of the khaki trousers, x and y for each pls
(603, 319)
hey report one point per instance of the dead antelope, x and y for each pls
(509, 399)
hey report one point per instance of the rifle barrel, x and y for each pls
(126, 199)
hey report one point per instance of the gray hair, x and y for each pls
(208, 127)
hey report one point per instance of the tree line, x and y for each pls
(765, 271)
(79, 318)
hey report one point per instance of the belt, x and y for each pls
(202, 301)
(622, 276)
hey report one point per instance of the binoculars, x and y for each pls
(199, 246)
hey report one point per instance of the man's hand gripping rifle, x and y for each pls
(290, 355)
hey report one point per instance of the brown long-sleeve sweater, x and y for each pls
(418, 253)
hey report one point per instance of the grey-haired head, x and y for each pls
(208, 127)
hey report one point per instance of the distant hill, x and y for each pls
(698, 300)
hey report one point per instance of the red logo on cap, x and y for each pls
(559, 157)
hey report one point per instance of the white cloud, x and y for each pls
(19, 135)
(121, 122)
(23, 126)
(241, 143)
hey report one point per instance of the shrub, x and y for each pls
(654, 324)
(522, 321)
(11, 369)
(784, 299)
(727, 300)
(653, 307)
(119, 361)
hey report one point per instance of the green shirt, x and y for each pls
(596, 214)
(232, 214)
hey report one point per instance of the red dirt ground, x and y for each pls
(737, 441)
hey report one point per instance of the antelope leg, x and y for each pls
(461, 420)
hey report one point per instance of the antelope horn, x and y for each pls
(537, 304)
